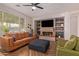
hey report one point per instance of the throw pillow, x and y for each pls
(14, 37)
(30, 34)
(72, 36)
(77, 45)
(70, 44)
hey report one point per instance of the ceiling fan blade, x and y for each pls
(18, 5)
(36, 3)
(39, 7)
(27, 5)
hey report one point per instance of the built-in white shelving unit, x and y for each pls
(55, 31)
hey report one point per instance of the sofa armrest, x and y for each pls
(6, 41)
(61, 51)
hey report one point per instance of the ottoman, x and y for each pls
(39, 45)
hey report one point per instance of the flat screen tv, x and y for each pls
(47, 23)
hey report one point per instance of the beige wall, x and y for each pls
(28, 20)
(67, 26)
(73, 25)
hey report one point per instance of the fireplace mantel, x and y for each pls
(47, 31)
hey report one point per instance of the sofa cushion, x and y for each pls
(9, 33)
(77, 45)
(26, 34)
(70, 44)
(16, 35)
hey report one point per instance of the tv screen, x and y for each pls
(47, 23)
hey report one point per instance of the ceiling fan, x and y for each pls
(34, 6)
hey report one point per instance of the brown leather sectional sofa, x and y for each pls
(12, 41)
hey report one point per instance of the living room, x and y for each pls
(37, 24)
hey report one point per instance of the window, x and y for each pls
(22, 23)
(13, 25)
(12, 21)
(11, 18)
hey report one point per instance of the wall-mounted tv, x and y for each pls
(47, 23)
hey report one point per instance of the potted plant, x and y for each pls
(5, 28)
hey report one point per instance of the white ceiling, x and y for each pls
(49, 9)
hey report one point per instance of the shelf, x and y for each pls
(59, 30)
(59, 27)
(60, 22)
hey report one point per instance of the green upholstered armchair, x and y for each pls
(61, 51)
